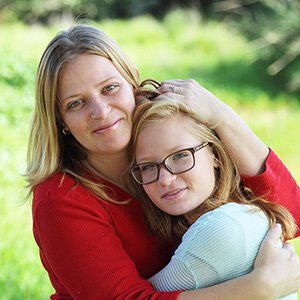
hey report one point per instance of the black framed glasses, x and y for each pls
(178, 162)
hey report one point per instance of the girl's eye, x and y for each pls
(110, 87)
(180, 155)
(147, 167)
(75, 103)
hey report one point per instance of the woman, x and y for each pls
(192, 193)
(91, 234)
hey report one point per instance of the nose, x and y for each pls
(99, 108)
(165, 177)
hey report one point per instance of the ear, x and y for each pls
(216, 162)
(64, 126)
(213, 158)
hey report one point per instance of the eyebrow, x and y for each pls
(171, 151)
(98, 84)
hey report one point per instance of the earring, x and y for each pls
(65, 131)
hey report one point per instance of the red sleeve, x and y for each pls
(277, 185)
(83, 254)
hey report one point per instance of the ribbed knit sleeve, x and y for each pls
(220, 245)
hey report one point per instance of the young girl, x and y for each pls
(197, 198)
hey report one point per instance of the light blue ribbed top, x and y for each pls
(221, 245)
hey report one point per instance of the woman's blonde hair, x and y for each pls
(228, 186)
(49, 151)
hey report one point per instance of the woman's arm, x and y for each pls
(262, 171)
(243, 145)
(277, 185)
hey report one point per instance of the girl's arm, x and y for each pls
(268, 280)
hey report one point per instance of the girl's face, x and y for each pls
(176, 194)
(96, 104)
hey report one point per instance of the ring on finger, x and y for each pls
(172, 88)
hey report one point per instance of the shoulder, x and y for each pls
(232, 225)
(58, 182)
(59, 185)
(231, 214)
(61, 193)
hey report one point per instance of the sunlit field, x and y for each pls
(213, 54)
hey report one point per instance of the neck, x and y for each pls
(112, 166)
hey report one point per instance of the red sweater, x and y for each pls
(93, 249)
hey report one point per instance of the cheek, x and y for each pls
(131, 105)
(150, 191)
(128, 94)
(74, 124)
(203, 178)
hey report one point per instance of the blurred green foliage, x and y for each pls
(172, 48)
(272, 26)
(274, 29)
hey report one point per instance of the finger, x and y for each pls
(274, 234)
(171, 88)
(180, 82)
(293, 256)
(288, 246)
(171, 95)
(174, 81)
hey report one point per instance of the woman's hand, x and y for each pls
(247, 150)
(209, 107)
(278, 267)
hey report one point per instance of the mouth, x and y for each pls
(174, 194)
(107, 127)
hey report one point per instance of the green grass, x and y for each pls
(209, 52)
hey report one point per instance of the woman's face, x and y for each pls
(176, 194)
(96, 104)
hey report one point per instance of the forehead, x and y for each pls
(163, 137)
(84, 70)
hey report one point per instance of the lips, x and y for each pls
(106, 127)
(174, 194)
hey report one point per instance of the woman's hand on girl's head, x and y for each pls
(245, 148)
(278, 267)
(209, 107)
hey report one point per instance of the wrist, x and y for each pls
(227, 118)
(262, 284)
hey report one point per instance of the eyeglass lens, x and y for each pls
(176, 163)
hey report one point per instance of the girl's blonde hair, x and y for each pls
(49, 151)
(228, 182)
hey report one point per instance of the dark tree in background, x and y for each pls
(272, 25)
(31, 11)
(274, 29)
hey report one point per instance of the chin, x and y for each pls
(117, 146)
(176, 213)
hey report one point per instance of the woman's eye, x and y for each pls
(74, 104)
(110, 88)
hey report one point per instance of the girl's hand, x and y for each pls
(278, 267)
